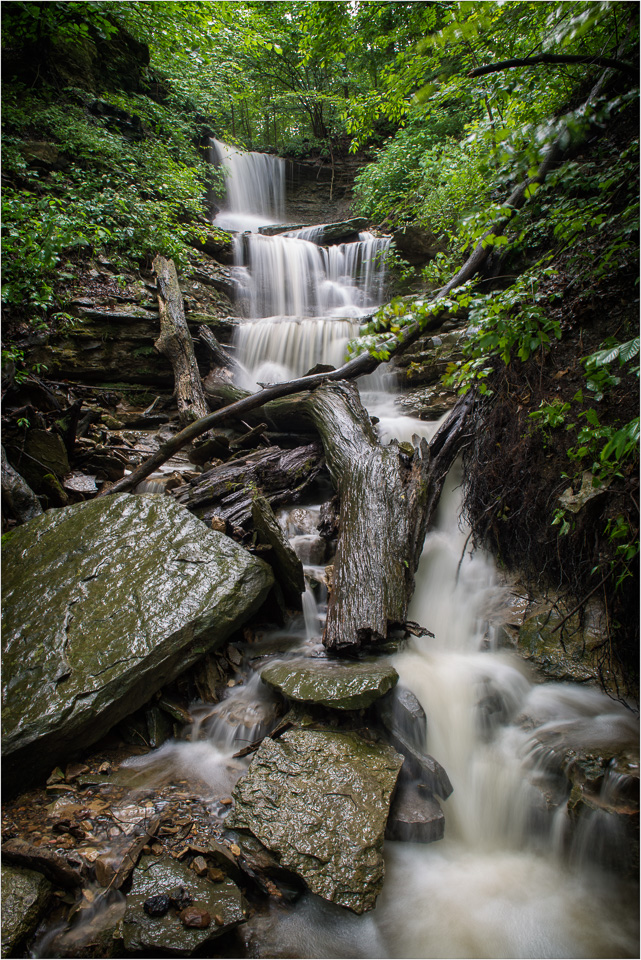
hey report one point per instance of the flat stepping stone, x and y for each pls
(332, 683)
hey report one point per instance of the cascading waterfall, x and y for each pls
(302, 301)
(510, 879)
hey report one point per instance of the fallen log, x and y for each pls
(227, 491)
(176, 344)
(387, 498)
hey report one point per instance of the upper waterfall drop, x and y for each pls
(255, 188)
(302, 301)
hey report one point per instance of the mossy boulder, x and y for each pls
(319, 800)
(104, 602)
(337, 684)
(25, 896)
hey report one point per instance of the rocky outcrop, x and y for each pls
(323, 234)
(417, 245)
(104, 602)
(320, 801)
(331, 683)
(114, 323)
(171, 909)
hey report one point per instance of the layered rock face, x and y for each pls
(104, 602)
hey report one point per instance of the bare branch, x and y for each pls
(594, 61)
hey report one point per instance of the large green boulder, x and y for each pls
(319, 799)
(104, 602)
(338, 684)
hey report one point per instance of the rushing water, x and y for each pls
(510, 879)
(308, 298)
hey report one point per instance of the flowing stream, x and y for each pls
(510, 879)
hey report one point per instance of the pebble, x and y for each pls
(157, 906)
(195, 917)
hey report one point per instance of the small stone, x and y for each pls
(195, 917)
(157, 848)
(105, 767)
(157, 906)
(180, 898)
(199, 864)
(56, 776)
(218, 920)
(74, 770)
(216, 875)
(217, 523)
(226, 801)
(235, 849)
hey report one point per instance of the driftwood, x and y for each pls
(176, 344)
(387, 497)
(287, 567)
(226, 491)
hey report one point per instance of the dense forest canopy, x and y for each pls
(447, 105)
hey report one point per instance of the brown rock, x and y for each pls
(195, 917)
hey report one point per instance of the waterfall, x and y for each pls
(511, 878)
(302, 302)
(255, 188)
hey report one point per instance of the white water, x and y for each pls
(308, 299)
(510, 879)
(500, 884)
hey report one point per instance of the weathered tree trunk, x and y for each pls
(387, 497)
(176, 344)
(227, 491)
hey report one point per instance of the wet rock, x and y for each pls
(400, 711)
(80, 483)
(323, 233)
(18, 499)
(417, 245)
(44, 454)
(287, 566)
(159, 726)
(157, 877)
(195, 917)
(320, 800)
(25, 897)
(132, 590)
(415, 816)
(157, 906)
(331, 683)
(405, 722)
(569, 653)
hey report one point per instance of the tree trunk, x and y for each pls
(387, 497)
(176, 344)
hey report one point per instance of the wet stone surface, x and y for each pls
(216, 908)
(320, 801)
(25, 895)
(130, 590)
(331, 683)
